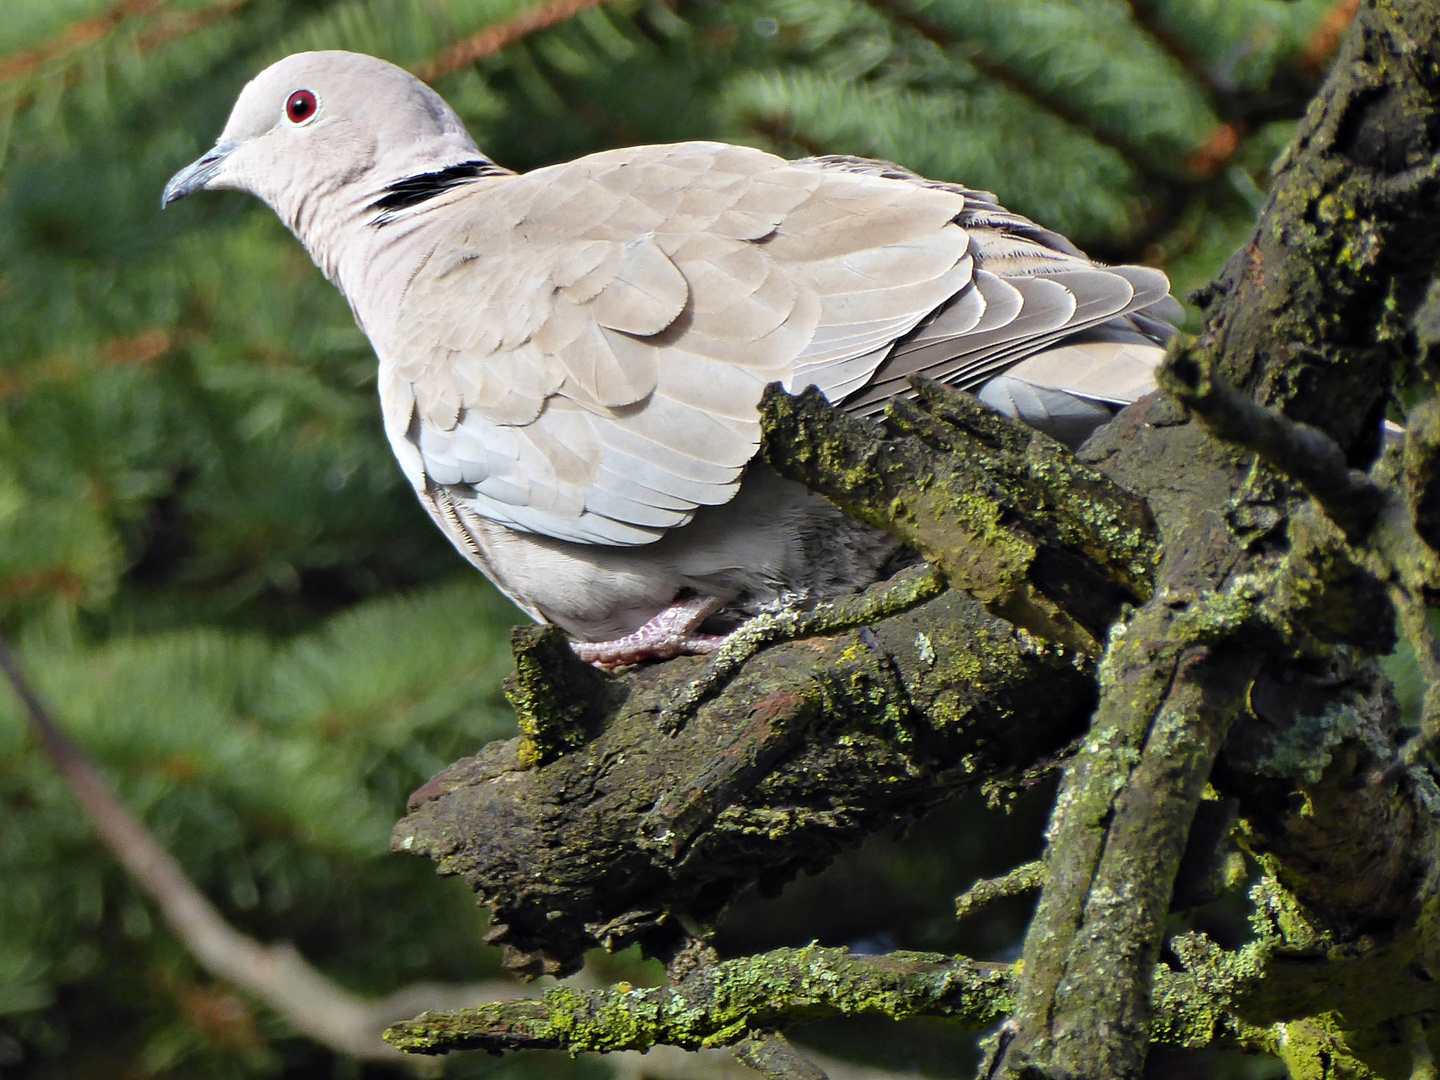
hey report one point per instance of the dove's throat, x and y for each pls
(365, 230)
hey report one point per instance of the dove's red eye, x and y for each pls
(300, 107)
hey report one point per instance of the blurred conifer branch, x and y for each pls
(492, 39)
(309, 1001)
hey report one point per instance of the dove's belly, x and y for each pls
(775, 544)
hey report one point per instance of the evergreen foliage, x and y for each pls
(213, 567)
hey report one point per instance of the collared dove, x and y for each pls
(571, 359)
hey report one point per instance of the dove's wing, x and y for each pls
(583, 353)
(1041, 322)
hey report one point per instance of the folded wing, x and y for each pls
(583, 353)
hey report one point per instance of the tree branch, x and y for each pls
(492, 39)
(1248, 998)
(1026, 878)
(598, 828)
(724, 1003)
(1082, 1001)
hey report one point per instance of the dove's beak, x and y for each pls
(197, 175)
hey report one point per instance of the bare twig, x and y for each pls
(309, 1001)
(1023, 879)
(771, 1055)
(492, 39)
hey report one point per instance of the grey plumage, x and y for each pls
(571, 359)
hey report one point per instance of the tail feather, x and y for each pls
(1110, 366)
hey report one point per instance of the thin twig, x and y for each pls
(1023, 879)
(309, 1001)
(492, 39)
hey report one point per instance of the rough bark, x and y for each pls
(1306, 319)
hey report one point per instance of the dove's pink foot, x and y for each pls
(671, 633)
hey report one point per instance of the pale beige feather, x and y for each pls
(634, 304)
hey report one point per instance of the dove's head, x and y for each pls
(321, 123)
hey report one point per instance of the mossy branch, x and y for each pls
(1246, 998)
(1005, 513)
(725, 1003)
(650, 799)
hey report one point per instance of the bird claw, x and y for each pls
(671, 633)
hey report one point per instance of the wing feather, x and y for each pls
(582, 352)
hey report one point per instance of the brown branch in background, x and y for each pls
(139, 349)
(179, 23)
(492, 39)
(171, 24)
(310, 1002)
(166, 26)
(76, 36)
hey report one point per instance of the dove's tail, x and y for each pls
(1070, 390)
